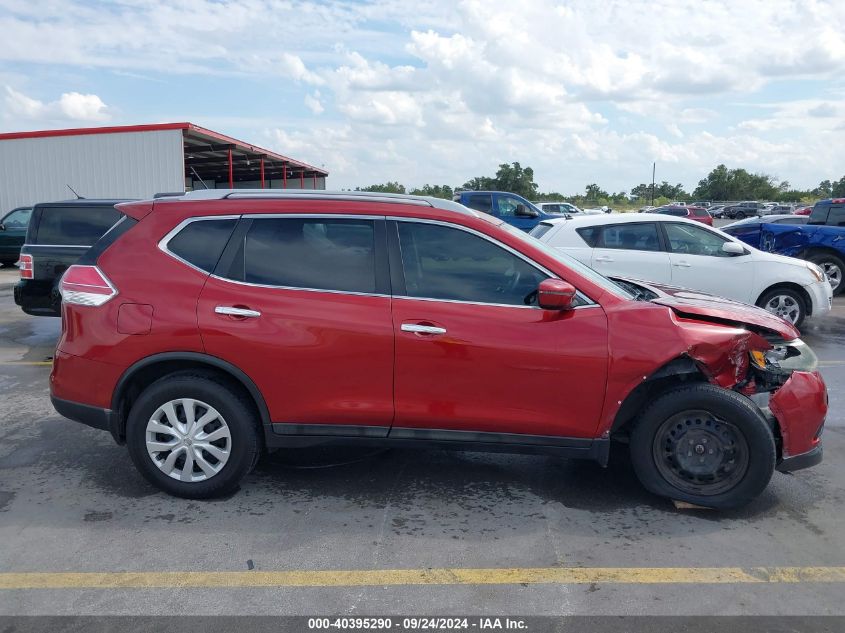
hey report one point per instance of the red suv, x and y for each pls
(699, 214)
(204, 329)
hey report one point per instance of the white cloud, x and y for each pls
(71, 106)
(447, 89)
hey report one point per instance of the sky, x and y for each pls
(441, 91)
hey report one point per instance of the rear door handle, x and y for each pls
(238, 312)
(683, 265)
(416, 328)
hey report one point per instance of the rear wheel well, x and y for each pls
(135, 381)
(805, 296)
(680, 371)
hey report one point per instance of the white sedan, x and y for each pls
(683, 253)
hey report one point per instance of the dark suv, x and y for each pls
(58, 234)
(204, 328)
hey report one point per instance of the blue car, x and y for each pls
(749, 230)
(509, 207)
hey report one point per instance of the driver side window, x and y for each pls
(447, 263)
(692, 240)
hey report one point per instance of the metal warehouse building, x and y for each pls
(138, 161)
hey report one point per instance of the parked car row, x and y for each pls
(669, 250)
(201, 329)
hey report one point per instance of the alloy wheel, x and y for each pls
(784, 306)
(834, 274)
(188, 440)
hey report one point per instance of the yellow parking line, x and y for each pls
(26, 362)
(399, 577)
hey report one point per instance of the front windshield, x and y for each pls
(570, 262)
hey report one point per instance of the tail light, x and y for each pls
(86, 286)
(25, 265)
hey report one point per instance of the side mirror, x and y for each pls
(555, 294)
(2, 227)
(733, 248)
(525, 212)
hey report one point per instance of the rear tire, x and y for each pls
(205, 461)
(786, 303)
(833, 267)
(704, 445)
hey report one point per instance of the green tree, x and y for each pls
(837, 190)
(388, 187)
(480, 183)
(736, 184)
(516, 179)
(436, 191)
(824, 190)
(594, 193)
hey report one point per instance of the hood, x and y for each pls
(693, 303)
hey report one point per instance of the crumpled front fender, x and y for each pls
(800, 407)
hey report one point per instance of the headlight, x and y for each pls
(818, 273)
(768, 358)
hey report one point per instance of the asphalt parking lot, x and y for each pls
(427, 532)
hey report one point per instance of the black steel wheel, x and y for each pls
(700, 454)
(704, 445)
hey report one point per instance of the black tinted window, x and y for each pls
(638, 237)
(446, 263)
(590, 235)
(480, 202)
(75, 226)
(837, 216)
(681, 213)
(324, 254)
(202, 242)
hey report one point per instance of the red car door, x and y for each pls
(302, 307)
(474, 354)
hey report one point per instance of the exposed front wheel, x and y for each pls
(192, 436)
(704, 445)
(786, 303)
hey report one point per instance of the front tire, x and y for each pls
(786, 303)
(833, 267)
(704, 445)
(192, 435)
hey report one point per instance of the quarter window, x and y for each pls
(202, 242)
(836, 216)
(446, 263)
(318, 253)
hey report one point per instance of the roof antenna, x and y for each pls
(198, 177)
(78, 197)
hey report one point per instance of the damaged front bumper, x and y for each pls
(800, 408)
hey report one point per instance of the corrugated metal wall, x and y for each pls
(123, 165)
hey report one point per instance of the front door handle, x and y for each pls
(604, 258)
(416, 328)
(237, 312)
(683, 265)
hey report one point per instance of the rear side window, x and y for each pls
(635, 237)
(700, 213)
(75, 226)
(836, 216)
(202, 242)
(318, 254)
(681, 213)
(480, 202)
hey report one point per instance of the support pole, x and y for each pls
(302, 180)
(314, 180)
(261, 167)
(284, 175)
(231, 172)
